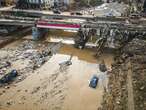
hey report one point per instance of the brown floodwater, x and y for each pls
(53, 88)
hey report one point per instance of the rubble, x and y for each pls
(29, 55)
(9, 103)
(4, 66)
(8, 77)
(129, 67)
(108, 9)
(66, 63)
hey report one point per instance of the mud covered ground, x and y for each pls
(127, 81)
(42, 84)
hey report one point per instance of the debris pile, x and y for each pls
(8, 77)
(127, 89)
(108, 9)
(25, 58)
(37, 54)
(3, 66)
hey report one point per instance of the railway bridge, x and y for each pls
(86, 26)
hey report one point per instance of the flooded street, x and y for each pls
(50, 86)
(72, 55)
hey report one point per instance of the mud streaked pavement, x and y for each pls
(53, 88)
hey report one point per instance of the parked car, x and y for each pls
(72, 13)
(55, 11)
(76, 13)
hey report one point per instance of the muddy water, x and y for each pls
(87, 54)
(50, 88)
(53, 88)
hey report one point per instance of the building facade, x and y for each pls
(64, 2)
(42, 3)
